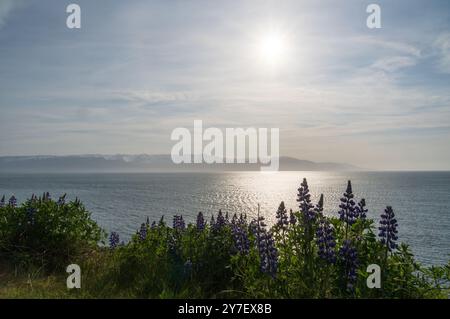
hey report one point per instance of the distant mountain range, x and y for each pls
(144, 163)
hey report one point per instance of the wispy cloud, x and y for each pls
(392, 64)
(6, 7)
(396, 46)
(442, 46)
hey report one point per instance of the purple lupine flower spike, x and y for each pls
(318, 209)
(304, 199)
(114, 240)
(178, 222)
(200, 221)
(268, 253)
(12, 201)
(220, 221)
(243, 219)
(326, 241)
(361, 210)
(182, 223)
(282, 217)
(388, 229)
(2, 201)
(349, 256)
(234, 220)
(292, 218)
(241, 240)
(46, 197)
(62, 200)
(143, 232)
(347, 206)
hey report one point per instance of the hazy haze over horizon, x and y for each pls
(338, 91)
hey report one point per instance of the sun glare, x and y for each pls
(272, 48)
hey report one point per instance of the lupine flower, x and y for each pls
(147, 222)
(143, 232)
(178, 222)
(326, 241)
(227, 220)
(347, 206)
(292, 219)
(200, 221)
(361, 210)
(12, 201)
(153, 226)
(318, 209)
(388, 228)
(349, 256)
(268, 253)
(241, 240)
(234, 220)
(46, 196)
(243, 219)
(304, 199)
(161, 221)
(61, 200)
(282, 218)
(114, 240)
(256, 225)
(220, 221)
(2, 201)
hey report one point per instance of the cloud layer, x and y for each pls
(137, 70)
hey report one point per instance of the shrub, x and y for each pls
(45, 232)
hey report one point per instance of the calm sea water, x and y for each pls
(121, 202)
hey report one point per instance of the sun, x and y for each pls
(272, 48)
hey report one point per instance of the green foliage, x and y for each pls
(46, 233)
(171, 263)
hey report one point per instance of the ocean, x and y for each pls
(121, 202)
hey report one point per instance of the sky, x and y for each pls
(136, 70)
